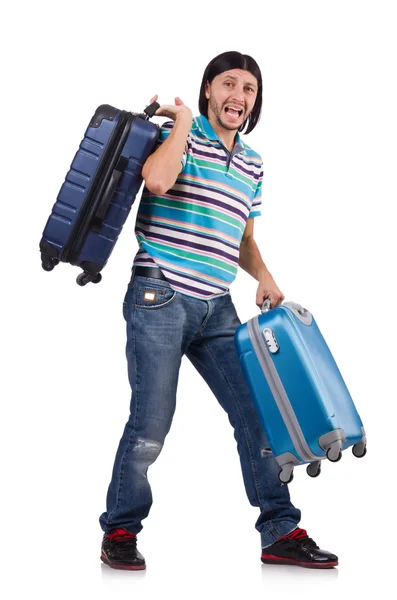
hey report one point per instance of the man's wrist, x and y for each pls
(184, 116)
(263, 273)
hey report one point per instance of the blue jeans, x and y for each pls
(161, 328)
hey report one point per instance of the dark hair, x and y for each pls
(224, 62)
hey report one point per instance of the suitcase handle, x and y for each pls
(266, 308)
(297, 307)
(151, 109)
(99, 217)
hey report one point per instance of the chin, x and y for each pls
(229, 125)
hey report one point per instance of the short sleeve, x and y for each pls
(165, 131)
(257, 200)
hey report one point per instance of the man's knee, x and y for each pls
(145, 451)
(146, 447)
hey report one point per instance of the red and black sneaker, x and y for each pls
(297, 548)
(120, 552)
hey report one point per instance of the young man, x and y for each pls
(194, 227)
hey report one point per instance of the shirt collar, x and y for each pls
(207, 129)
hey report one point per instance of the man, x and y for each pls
(194, 227)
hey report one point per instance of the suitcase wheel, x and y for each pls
(286, 474)
(48, 262)
(332, 456)
(85, 278)
(359, 450)
(314, 468)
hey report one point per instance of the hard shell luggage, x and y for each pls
(99, 190)
(302, 400)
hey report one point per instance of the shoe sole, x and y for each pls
(123, 567)
(275, 560)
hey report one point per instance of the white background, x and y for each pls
(327, 136)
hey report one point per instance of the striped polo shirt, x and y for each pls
(193, 231)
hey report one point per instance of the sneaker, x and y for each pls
(119, 550)
(297, 548)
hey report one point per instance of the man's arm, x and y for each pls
(164, 165)
(250, 258)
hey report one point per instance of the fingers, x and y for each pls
(275, 299)
(178, 101)
(279, 300)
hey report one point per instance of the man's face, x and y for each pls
(234, 88)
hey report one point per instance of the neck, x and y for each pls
(226, 135)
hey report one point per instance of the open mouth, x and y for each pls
(233, 112)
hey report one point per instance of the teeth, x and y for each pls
(238, 110)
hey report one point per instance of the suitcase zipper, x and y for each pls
(279, 393)
(81, 228)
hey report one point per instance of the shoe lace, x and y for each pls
(300, 536)
(128, 539)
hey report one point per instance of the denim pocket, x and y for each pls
(152, 295)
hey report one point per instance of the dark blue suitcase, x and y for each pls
(301, 398)
(99, 190)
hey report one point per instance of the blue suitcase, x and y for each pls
(302, 400)
(99, 190)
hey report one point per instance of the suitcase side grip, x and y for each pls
(99, 217)
(151, 109)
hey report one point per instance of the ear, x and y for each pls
(207, 88)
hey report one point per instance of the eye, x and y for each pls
(228, 83)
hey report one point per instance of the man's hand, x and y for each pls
(267, 288)
(172, 111)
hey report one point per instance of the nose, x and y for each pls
(238, 96)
